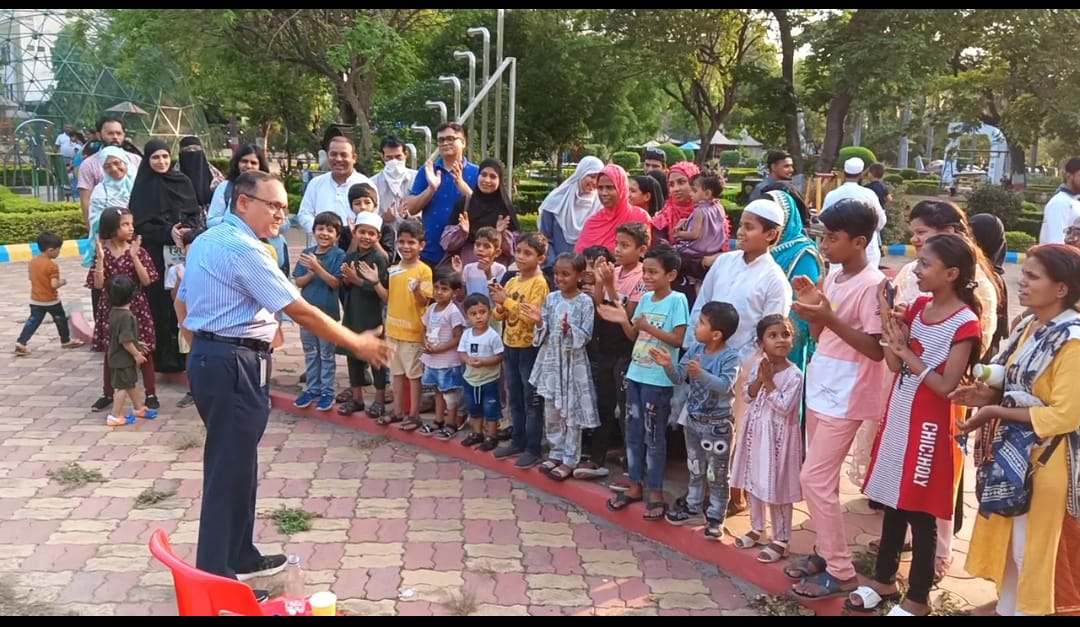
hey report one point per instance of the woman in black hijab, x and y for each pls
(989, 234)
(486, 206)
(162, 198)
(193, 163)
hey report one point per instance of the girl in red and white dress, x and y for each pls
(915, 467)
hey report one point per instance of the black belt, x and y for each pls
(246, 342)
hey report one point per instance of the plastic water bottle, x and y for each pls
(295, 596)
(990, 374)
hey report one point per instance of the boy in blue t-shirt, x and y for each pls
(318, 275)
(659, 322)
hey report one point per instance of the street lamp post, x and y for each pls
(455, 82)
(471, 58)
(426, 130)
(437, 104)
(485, 34)
(498, 91)
(412, 153)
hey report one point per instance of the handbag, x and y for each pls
(1017, 502)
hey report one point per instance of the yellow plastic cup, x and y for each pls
(323, 603)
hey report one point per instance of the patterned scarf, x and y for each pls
(1010, 463)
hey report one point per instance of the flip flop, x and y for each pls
(830, 587)
(622, 500)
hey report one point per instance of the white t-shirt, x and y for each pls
(1060, 211)
(173, 276)
(852, 189)
(482, 346)
(440, 330)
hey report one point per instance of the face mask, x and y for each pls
(394, 167)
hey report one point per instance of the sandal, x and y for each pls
(547, 466)
(748, 540)
(411, 423)
(388, 419)
(472, 439)
(651, 507)
(828, 586)
(941, 568)
(774, 552)
(375, 410)
(562, 472)
(622, 500)
(809, 566)
(868, 599)
(350, 407)
(344, 396)
(427, 428)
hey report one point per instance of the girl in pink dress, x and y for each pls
(768, 456)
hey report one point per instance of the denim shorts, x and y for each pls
(444, 379)
(484, 401)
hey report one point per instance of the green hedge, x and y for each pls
(21, 176)
(1020, 242)
(21, 228)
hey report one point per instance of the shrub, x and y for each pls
(1031, 208)
(894, 179)
(628, 160)
(861, 152)
(220, 163)
(674, 153)
(599, 151)
(998, 201)
(529, 222)
(21, 228)
(751, 162)
(909, 174)
(730, 158)
(1018, 241)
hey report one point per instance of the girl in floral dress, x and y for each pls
(118, 251)
(562, 374)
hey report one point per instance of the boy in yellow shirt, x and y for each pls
(410, 293)
(526, 407)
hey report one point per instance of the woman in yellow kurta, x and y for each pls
(1042, 359)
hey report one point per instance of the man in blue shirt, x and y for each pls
(228, 299)
(438, 187)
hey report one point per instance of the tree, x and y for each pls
(786, 21)
(692, 54)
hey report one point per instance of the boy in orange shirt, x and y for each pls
(44, 298)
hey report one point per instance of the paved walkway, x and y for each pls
(398, 529)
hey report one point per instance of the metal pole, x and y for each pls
(437, 104)
(426, 130)
(486, 35)
(484, 89)
(510, 122)
(471, 58)
(454, 82)
(498, 92)
(412, 154)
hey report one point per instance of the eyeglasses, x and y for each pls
(447, 140)
(1072, 230)
(275, 207)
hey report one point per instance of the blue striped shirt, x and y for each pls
(231, 286)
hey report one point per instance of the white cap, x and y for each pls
(369, 218)
(764, 208)
(854, 166)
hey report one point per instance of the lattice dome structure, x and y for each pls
(49, 74)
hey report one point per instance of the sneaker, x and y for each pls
(114, 421)
(527, 460)
(326, 402)
(488, 444)
(266, 566)
(146, 413)
(505, 434)
(304, 400)
(21, 351)
(152, 401)
(71, 344)
(187, 401)
(680, 514)
(714, 529)
(473, 439)
(102, 403)
(507, 450)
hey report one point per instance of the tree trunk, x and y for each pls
(1018, 163)
(834, 128)
(791, 105)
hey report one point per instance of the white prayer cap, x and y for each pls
(369, 218)
(854, 166)
(767, 209)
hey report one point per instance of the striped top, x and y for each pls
(231, 285)
(916, 462)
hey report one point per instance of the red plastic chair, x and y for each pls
(199, 593)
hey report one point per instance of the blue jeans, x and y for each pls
(483, 402)
(526, 406)
(647, 410)
(37, 316)
(321, 368)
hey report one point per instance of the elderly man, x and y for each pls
(228, 299)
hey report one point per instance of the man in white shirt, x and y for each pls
(111, 133)
(853, 169)
(395, 180)
(64, 143)
(1063, 207)
(330, 192)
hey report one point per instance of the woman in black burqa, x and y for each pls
(162, 198)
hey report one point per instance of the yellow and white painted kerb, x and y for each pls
(26, 252)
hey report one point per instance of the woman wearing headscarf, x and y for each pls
(680, 204)
(989, 235)
(489, 205)
(645, 192)
(193, 163)
(161, 199)
(615, 210)
(565, 210)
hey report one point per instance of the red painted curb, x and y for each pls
(589, 496)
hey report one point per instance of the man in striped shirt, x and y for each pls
(228, 299)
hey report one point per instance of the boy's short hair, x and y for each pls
(876, 170)
(328, 218)
(190, 235)
(592, 253)
(488, 233)
(637, 230)
(412, 227)
(667, 256)
(535, 241)
(474, 299)
(449, 278)
(854, 217)
(363, 190)
(48, 240)
(722, 317)
(121, 289)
